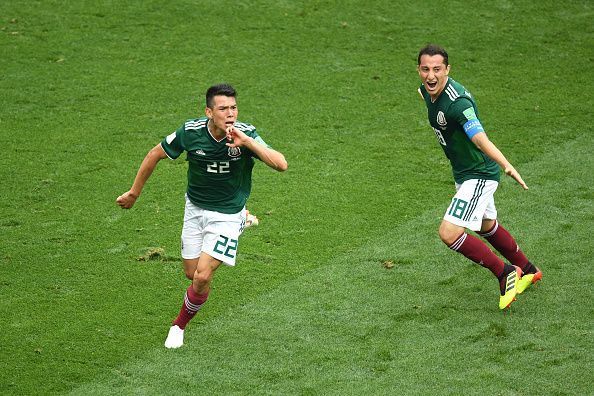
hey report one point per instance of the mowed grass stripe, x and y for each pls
(428, 325)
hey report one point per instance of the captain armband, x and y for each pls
(473, 127)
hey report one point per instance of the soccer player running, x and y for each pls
(475, 161)
(220, 154)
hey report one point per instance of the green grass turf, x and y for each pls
(89, 87)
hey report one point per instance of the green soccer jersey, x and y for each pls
(219, 176)
(453, 112)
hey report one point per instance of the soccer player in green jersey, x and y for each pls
(220, 154)
(475, 163)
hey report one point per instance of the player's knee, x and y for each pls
(443, 237)
(201, 277)
(447, 236)
(189, 273)
(190, 266)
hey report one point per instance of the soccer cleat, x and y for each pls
(510, 289)
(175, 338)
(528, 280)
(250, 219)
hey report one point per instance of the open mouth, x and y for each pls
(431, 85)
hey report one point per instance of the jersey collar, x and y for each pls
(211, 135)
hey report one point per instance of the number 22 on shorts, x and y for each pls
(230, 246)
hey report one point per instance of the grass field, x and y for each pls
(89, 87)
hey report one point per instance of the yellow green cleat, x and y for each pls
(528, 280)
(510, 289)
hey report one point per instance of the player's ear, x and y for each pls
(208, 112)
(447, 71)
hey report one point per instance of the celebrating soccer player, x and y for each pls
(475, 162)
(220, 154)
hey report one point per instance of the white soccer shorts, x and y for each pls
(216, 234)
(472, 203)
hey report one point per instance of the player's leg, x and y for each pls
(190, 266)
(197, 293)
(505, 244)
(456, 238)
(192, 237)
(216, 243)
(466, 212)
(191, 247)
(194, 298)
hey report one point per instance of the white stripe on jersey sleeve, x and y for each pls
(452, 93)
(243, 127)
(195, 124)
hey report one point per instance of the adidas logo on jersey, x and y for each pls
(200, 152)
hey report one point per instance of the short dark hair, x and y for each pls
(219, 89)
(433, 49)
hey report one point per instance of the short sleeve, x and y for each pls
(173, 143)
(261, 141)
(463, 112)
(250, 131)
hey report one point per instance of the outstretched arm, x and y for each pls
(270, 157)
(127, 199)
(486, 146)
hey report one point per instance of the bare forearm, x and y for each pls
(146, 169)
(270, 157)
(487, 147)
(127, 199)
(144, 172)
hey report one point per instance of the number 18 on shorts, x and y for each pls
(472, 203)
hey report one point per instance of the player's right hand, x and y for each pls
(127, 200)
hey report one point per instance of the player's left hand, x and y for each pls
(236, 138)
(512, 172)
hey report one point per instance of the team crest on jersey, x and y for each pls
(441, 120)
(234, 152)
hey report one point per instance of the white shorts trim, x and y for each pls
(214, 233)
(472, 203)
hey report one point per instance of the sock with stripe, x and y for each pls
(476, 250)
(192, 304)
(505, 244)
